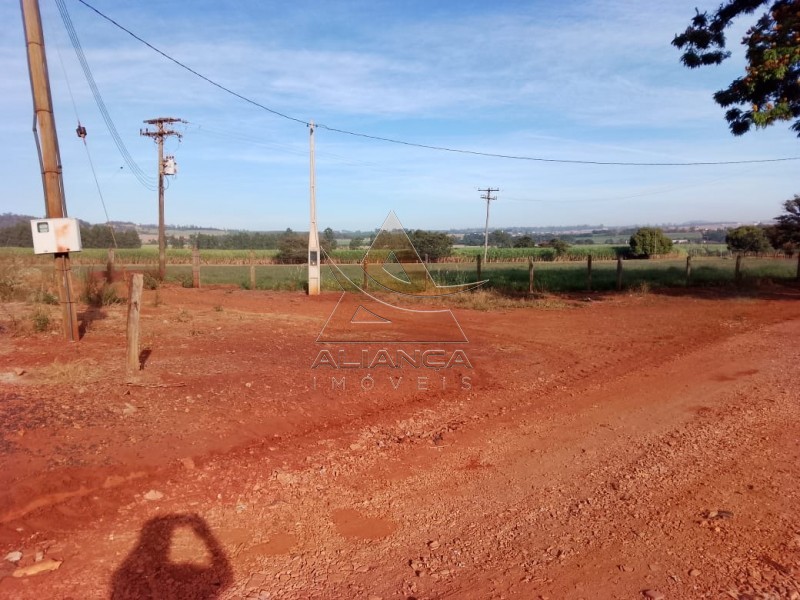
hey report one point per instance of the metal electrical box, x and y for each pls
(51, 236)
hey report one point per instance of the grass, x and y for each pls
(23, 280)
(572, 276)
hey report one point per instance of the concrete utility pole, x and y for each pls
(49, 158)
(159, 134)
(488, 197)
(313, 232)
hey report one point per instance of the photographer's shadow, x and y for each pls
(151, 572)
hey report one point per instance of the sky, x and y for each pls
(594, 80)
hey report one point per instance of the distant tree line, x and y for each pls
(92, 236)
(239, 240)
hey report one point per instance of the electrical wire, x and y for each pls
(146, 180)
(427, 146)
(86, 146)
(188, 68)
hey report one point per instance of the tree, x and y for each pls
(648, 241)
(472, 238)
(500, 239)
(785, 234)
(560, 246)
(431, 244)
(524, 241)
(356, 242)
(770, 89)
(747, 238)
(19, 235)
(293, 248)
(329, 240)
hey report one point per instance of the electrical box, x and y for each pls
(51, 236)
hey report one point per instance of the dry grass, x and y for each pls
(76, 372)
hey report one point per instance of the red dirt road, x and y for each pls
(625, 447)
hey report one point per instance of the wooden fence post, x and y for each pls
(688, 268)
(110, 265)
(530, 274)
(619, 273)
(365, 276)
(737, 275)
(195, 267)
(479, 260)
(134, 303)
(252, 270)
(589, 273)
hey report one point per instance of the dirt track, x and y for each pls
(599, 449)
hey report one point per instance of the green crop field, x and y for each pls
(506, 273)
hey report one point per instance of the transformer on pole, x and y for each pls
(166, 166)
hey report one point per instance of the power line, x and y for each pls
(146, 181)
(81, 131)
(429, 146)
(188, 68)
(560, 160)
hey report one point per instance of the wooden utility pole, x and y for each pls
(313, 232)
(44, 131)
(159, 134)
(488, 197)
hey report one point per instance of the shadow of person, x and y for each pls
(151, 570)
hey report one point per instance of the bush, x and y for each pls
(41, 320)
(98, 291)
(650, 241)
(747, 238)
(150, 281)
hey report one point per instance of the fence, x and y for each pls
(590, 274)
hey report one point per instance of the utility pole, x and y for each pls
(488, 197)
(159, 134)
(44, 131)
(313, 231)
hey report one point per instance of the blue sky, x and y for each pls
(586, 80)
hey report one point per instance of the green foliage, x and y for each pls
(11, 284)
(18, 235)
(500, 239)
(238, 240)
(769, 91)
(432, 244)
(97, 291)
(356, 242)
(293, 248)
(747, 238)
(41, 320)
(785, 234)
(524, 241)
(150, 280)
(650, 241)
(44, 297)
(329, 240)
(473, 239)
(99, 236)
(92, 236)
(560, 247)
